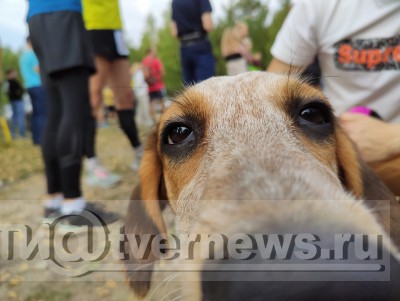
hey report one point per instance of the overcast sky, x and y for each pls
(13, 29)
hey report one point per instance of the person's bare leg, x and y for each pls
(162, 103)
(97, 83)
(120, 82)
(153, 110)
(97, 175)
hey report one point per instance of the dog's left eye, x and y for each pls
(315, 114)
(179, 134)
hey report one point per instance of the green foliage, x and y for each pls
(168, 51)
(8, 60)
(49, 295)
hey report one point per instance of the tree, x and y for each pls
(168, 51)
(149, 39)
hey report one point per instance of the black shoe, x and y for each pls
(92, 215)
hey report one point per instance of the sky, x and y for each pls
(13, 28)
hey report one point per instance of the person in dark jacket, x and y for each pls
(15, 92)
(191, 23)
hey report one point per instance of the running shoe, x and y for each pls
(138, 157)
(92, 215)
(50, 214)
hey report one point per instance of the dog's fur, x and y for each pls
(249, 145)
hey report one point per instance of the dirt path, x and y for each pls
(21, 203)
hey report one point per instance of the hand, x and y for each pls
(375, 139)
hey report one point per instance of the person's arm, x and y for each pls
(376, 140)
(207, 22)
(296, 44)
(278, 66)
(174, 29)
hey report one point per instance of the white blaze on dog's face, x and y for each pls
(254, 136)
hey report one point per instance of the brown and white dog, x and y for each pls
(229, 143)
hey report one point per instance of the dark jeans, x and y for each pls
(39, 112)
(18, 118)
(198, 62)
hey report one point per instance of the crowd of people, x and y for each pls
(76, 64)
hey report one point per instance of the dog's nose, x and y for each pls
(261, 285)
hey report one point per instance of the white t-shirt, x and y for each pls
(358, 46)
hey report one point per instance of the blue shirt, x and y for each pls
(37, 7)
(28, 63)
(187, 15)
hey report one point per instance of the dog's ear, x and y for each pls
(144, 218)
(348, 163)
(357, 177)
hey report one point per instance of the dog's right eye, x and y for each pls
(178, 134)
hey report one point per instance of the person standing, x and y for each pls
(60, 42)
(15, 92)
(153, 74)
(233, 49)
(103, 21)
(29, 67)
(191, 23)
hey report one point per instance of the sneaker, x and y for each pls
(138, 157)
(92, 215)
(50, 214)
(101, 177)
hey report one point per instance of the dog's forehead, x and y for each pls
(248, 92)
(243, 89)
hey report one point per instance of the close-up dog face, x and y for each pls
(229, 146)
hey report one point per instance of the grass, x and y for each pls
(19, 160)
(46, 294)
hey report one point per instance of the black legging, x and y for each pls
(63, 137)
(127, 124)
